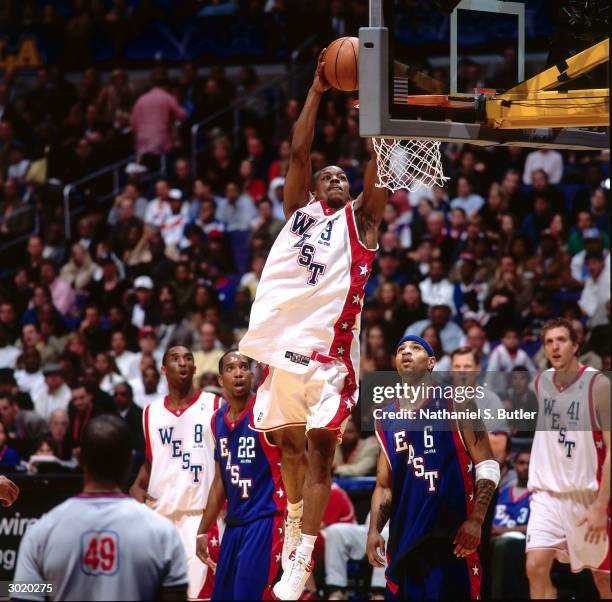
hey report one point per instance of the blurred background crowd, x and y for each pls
(169, 248)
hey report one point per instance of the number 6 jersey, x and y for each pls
(180, 447)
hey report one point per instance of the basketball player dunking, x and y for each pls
(569, 471)
(434, 483)
(304, 326)
(179, 466)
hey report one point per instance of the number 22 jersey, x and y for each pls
(250, 468)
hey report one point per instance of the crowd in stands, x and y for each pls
(515, 238)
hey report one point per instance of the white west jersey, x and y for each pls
(104, 547)
(568, 448)
(180, 447)
(309, 299)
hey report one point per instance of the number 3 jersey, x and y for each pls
(568, 448)
(250, 468)
(180, 447)
(309, 298)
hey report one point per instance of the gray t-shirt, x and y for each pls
(102, 548)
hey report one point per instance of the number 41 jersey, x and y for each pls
(250, 468)
(568, 448)
(180, 447)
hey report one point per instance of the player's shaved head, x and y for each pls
(173, 349)
(106, 449)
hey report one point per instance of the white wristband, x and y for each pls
(489, 469)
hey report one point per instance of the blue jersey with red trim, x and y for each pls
(512, 508)
(432, 480)
(250, 468)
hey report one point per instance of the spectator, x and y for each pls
(519, 396)
(147, 387)
(266, 221)
(586, 356)
(54, 394)
(505, 357)
(593, 243)
(96, 338)
(9, 324)
(131, 413)
(15, 213)
(439, 317)
(251, 279)
(387, 270)
(596, 291)
(159, 208)
(466, 199)
(28, 375)
(62, 294)
(184, 285)
(476, 339)
(172, 329)
(8, 352)
(107, 373)
(154, 116)
(82, 410)
(206, 359)
(122, 356)
(9, 458)
(79, 271)
(436, 289)
(542, 187)
(236, 211)
(355, 457)
(469, 292)
(58, 430)
(174, 221)
(410, 308)
(508, 532)
(144, 311)
(111, 288)
(22, 427)
(547, 160)
(147, 344)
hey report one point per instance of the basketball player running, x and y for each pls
(247, 475)
(101, 544)
(304, 326)
(425, 487)
(179, 467)
(569, 471)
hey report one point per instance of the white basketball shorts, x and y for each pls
(317, 399)
(553, 524)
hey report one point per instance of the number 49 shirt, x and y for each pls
(89, 549)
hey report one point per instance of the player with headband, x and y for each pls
(434, 483)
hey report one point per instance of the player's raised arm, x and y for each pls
(487, 478)
(370, 204)
(380, 511)
(596, 517)
(299, 174)
(216, 497)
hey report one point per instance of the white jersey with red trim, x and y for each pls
(568, 448)
(180, 447)
(309, 298)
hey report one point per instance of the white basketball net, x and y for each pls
(408, 164)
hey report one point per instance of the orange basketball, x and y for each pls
(342, 64)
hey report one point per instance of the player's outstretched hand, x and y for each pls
(375, 544)
(141, 495)
(202, 551)
(596, 520)
(8, 491)
(320, 83)
(468, 537)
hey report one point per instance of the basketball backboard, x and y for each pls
(421, 48)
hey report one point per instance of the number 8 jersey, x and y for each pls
(180, 447)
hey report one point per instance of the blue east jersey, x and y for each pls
(512, 508)
(432, 495)
(250, 468)
(250, 554)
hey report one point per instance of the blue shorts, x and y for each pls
(249, 559)
(451, 579)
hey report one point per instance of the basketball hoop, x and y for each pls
(408, 164)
